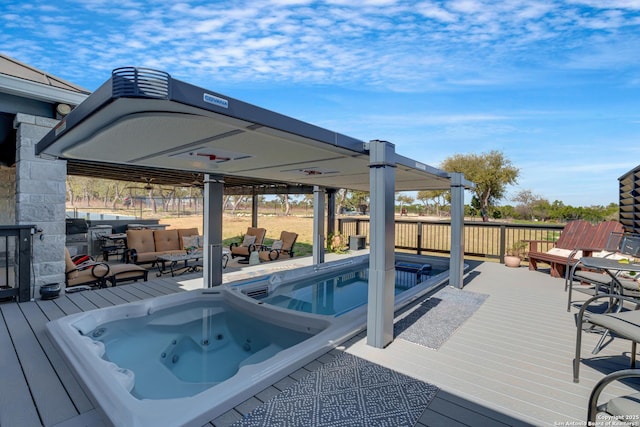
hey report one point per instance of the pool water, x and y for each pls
(184, 350)
(338, 292)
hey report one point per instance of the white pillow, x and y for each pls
(564, 252)
(248, 240)
(190, 242)
(277, 244)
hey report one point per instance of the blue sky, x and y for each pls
(555, 85)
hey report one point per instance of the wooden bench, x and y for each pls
(578, 238)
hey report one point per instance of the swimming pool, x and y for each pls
(187, 358)
(340, 288)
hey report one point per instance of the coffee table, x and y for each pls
(187, 262)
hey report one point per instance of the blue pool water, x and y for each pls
(338, 292)
(182, 351)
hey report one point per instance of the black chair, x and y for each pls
(112, 247)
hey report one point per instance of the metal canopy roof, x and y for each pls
(180, 178)
(144, 119)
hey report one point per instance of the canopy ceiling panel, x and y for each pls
(177, 126)
(131, 137)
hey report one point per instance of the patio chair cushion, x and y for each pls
(265, 255)
(564, 252)
(187, 232)
(277, 244)
(125, 272)
(625, 405)
(248, 240)
(191, 242)
(88, 273)
(141, 240)
(288, 239)
(592, 277)
(166, 240)
(69, 265)
(625, 324)
(603, 279)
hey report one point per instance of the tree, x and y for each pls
(490, 172)
(286, 203)
(437, 196)
(404, 199)
(527, 201)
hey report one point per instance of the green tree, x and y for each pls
(490, 172)
(438, 197)
(404, 199)
(531, 206)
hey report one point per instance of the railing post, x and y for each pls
(24, 260)
(503, 242)
(419, 238)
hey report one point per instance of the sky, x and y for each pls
(554, 85)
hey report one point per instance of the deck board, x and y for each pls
(53, 403)
(514, 355)
(16, 403)
(509, 364)
(37, 320)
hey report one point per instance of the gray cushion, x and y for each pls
(604, 279)
(625, 406)
(625, 324)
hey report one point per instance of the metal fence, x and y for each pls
(482, 239)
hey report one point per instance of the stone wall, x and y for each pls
(40, 200)
(7, 195)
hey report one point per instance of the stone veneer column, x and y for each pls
(7, 195)
(40, 200)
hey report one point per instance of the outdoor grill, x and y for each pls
(76, 236)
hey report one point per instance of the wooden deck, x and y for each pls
(509, 364)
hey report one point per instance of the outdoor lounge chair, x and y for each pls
(578, 238)
(625, 408)
(95, 273)
(621, 323)
(89, 273)
(284, 245)
(251, 242)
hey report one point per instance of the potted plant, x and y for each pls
(515, 253)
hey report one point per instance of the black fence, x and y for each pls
(481, 239)
(15, 262)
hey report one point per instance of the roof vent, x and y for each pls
(134, 82)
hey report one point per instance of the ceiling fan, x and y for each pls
(196, 181)
(147, 186)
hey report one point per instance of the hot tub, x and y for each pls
(187, 358)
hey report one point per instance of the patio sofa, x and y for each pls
(144, 246)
